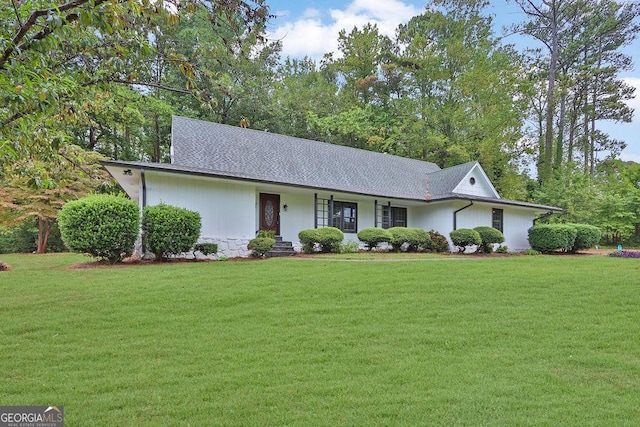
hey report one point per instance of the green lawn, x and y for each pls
(540, 340)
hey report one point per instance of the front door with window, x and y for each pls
(270, 212)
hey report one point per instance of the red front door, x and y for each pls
(270, 212)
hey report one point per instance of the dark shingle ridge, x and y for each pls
(284, 159)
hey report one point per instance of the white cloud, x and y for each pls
(311, 36)
(635, 102)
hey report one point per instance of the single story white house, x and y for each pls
(244, 180)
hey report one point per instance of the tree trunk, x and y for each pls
(44, 230)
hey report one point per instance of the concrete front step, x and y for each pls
(281, 249)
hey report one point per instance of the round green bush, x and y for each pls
(464, 237)
(439, 242)
(411, 239)
(552, 237)
(373, 236)
(418, 240)
(260, 246)
(169, 230)
(489, 236)
(328, 239)
(587, 236)
(308, 238)
(104, 226)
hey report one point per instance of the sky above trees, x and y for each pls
(310, 28)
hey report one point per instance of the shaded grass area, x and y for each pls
(495, 341)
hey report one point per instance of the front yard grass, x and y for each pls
(544, 340)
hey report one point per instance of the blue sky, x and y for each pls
(310, 28)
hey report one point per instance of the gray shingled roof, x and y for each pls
(213, 149)
(251, 154)
(442, 183)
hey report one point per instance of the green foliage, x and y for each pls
(260, 246)
(270, 234)
(350, 247)
(23, 238)
(205, 249)
(169, 230)
(373, 236)
(502, 249)
(552, 237)
(327, 239)
(440, 243)
(103, 226)
(409, 239)
(489, 236)
(531, 252)
(587, 236)
(464, 237)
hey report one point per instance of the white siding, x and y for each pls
(482, 187)
(516, 221)
(227, 208)
(230, 209)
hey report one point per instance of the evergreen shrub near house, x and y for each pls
(205, 249)
(587, 236)
(438, 241)
(411, 239)
(489, 236)
(464, 237)
(103, 226)
(552, 237)
(373, 236)
(169, 230)
(326, 239)
(260, 246)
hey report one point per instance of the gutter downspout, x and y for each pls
(144, 187)
(455, 214)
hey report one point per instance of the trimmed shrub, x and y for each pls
(308, 238)
(373, 236)
(260, 246)
(502, 249)
(411, 239)
(489, 236)
(587, 236)
(328, 239)
(169, 230)
(464, 237)
(103, 226)
(439, 242)
(552, 237)
(418, 240)
(397, 237)
(205, 249)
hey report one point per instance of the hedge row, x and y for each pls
(326, 239)
(406, 239)
(563, 237)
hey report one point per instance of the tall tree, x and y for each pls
(582, 41)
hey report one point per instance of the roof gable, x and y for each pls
(476, 183)
(466, 179)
